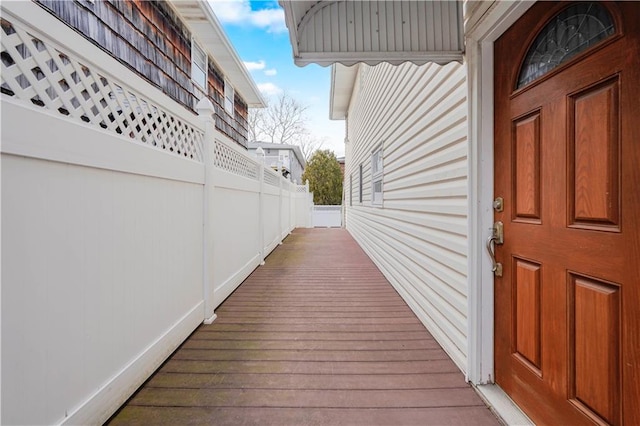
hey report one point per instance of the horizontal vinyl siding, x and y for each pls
(419, 236)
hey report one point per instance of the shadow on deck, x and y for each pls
(315, 336)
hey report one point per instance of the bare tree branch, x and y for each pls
(282, 121)
(309, 144)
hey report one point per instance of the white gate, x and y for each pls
(327, 216)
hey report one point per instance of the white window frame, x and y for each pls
(360, 175)
(229, 94)
(377, 173)
(351, 190)
(199, 65)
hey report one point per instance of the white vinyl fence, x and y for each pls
(327, 216)
(126, 220)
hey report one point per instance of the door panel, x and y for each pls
(595, 374)
(567, 156)
(526, 290)
(526, 148)
(594, 167)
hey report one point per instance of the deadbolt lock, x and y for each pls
(498, 204)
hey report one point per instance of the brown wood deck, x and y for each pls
(315, 336)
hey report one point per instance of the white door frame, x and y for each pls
(484, 30)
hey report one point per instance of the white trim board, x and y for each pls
(502, 406)
(479, 60)
(479, 52)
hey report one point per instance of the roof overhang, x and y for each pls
(343, 79)
(351, 31)
(206, 28)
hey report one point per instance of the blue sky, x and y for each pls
(257, 31)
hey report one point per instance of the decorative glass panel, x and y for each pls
(572, 31)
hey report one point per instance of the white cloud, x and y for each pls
(230, 11)
(270, 72)
(269, 89)
(272, 19)
(253, 66)
(240, 12)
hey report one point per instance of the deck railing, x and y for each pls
(126, 219)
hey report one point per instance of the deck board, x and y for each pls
(316, 336)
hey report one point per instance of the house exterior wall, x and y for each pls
(296, 167)
(418, 234)
(150, 38)
(282, 155)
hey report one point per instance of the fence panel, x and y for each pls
(327, 216)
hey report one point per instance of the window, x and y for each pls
(198, 65)
(376, 176)
(572, 31)
(360, 184)
(228, 97)
(351, 190)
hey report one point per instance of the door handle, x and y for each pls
(496, 237)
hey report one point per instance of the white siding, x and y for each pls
(418, 237)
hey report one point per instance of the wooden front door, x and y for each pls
(567, 163)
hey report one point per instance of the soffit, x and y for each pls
(206, 28)
(342, 81)
(395, 31)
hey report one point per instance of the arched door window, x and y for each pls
(573, 30)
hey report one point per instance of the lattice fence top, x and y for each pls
(271, 177)
(232, 161)
(34, 71)
(301, 188)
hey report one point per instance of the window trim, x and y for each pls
(377, 174)
(229, 101)
(360, 185)
(197, 49)
(351, 190)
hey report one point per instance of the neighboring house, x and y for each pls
(287, 159)
(130, 206)
(519, 113)
(177, 46)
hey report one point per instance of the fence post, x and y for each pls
(280, 180)
(292, 204)
(310, 205)
(260, 157)
(205, 112)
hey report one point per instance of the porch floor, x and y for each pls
(315, 336)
